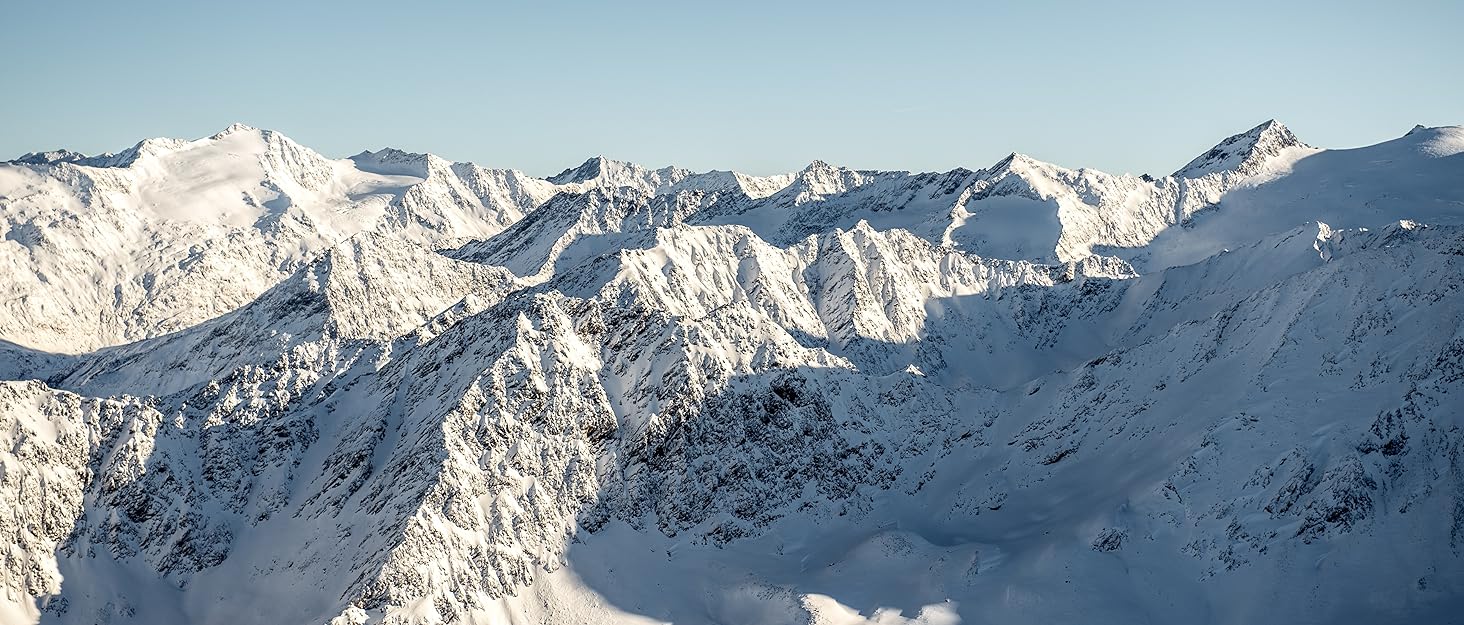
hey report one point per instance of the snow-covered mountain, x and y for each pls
(246, 383)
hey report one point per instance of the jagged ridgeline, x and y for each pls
(246, 383)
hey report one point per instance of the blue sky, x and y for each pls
(761, 87)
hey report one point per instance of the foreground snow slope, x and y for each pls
(425, 391)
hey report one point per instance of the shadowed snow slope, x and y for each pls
(244, 383)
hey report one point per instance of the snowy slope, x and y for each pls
(170, 233)
(396, 389)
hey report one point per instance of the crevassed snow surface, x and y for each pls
(241, 382)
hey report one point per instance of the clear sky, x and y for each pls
(760, 87)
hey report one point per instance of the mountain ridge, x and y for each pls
(276, 388)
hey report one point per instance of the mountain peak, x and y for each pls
(591, 169)
(129, 156)
(1019, 164)
(607, 172)
(820, 179)
(1015, 159)
(232, 129)
(823, 170)
(406, 400)
(1245, 153)
(1272, 131)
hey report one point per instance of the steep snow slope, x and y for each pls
(103, 248)
(168, 233)
(367, 288)
(695, 412)
(837, 397)
(49, 437)
(1283, 450)
(577, 226)
(459, 200)
(1413, 177)
(1255, 184)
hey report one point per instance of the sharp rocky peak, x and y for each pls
(1245, 153)
(1013, 162)
(595, 168)
(819, 166)
(823, 169)
(588, 170)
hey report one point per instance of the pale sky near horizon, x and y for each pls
(760, 87)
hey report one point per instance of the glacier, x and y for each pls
(242, 382)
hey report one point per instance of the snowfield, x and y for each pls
(243, 383)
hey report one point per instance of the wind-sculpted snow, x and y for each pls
(395, 389)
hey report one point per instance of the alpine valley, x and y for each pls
(248, 384)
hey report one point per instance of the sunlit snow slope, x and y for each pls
(243, 383)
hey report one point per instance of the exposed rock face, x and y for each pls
(654, 394)
(1246, 153)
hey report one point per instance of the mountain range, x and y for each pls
(247, 383)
